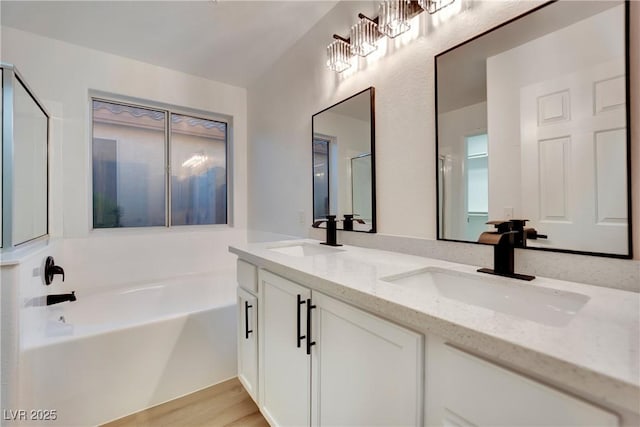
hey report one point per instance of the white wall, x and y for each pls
(62, 75)
(282, 101)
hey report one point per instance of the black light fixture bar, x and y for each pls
(337, 37)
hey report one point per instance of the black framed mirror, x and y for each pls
(533, 123)
(343, 147)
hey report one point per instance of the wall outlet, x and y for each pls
(508, 212)
(301, 217)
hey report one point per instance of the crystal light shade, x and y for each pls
(432, 6)
(338, 55)
(394, 17)
(364, 37)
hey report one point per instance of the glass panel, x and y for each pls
(30, 135)
(198, 171)
(128, 166)
(320, 178)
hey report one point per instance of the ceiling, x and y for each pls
(229, 41)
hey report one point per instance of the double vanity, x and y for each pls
(532, 126)
(348, 335)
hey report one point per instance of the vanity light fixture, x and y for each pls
(392, 20)
(432, 6)
(364, 36)
(339, 54)
(394, 17)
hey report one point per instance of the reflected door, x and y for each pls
(574, 142)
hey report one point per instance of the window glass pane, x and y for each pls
(198, 171)
(128, 166)
(30, 168)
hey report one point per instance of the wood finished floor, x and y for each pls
(224, 404)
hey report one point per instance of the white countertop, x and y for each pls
(596, 353)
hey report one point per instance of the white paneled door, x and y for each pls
(574, 151)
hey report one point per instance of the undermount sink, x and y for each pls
(305, 249)
(525, 300)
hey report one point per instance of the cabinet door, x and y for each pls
(465, 390)
(248, 342)
(285, 367)
(366, 370)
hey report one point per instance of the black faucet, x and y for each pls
(508, 235)
(524, 234)
(332, 227)
(348, 221)
(55, 299)
(51, 269)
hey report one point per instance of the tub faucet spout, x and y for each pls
(55, 299)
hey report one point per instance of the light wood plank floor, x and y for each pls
(224, 404)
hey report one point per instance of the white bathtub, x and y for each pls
(111, 354)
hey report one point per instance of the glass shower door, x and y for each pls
(30, 167)
(25, 141)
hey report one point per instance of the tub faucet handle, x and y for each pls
(51, 269)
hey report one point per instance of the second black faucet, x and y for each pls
(332, 230)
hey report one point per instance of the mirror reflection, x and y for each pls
(532, 124)
(343, 163)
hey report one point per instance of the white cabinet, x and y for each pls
(323, 362)
(464, 391)
(248, 342)
(247, 276)
(366, 371)
(285, 378)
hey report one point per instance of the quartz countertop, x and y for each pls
(596, 352)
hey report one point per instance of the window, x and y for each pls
(154, 167)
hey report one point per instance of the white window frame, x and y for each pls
(167, 109)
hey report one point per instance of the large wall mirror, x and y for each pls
(344, 163)
(533, 123)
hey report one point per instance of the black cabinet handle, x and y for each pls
(299, 337)
(247, 331)
(309, 342)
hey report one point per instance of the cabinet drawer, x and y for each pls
(480, 393)
(248, 276)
